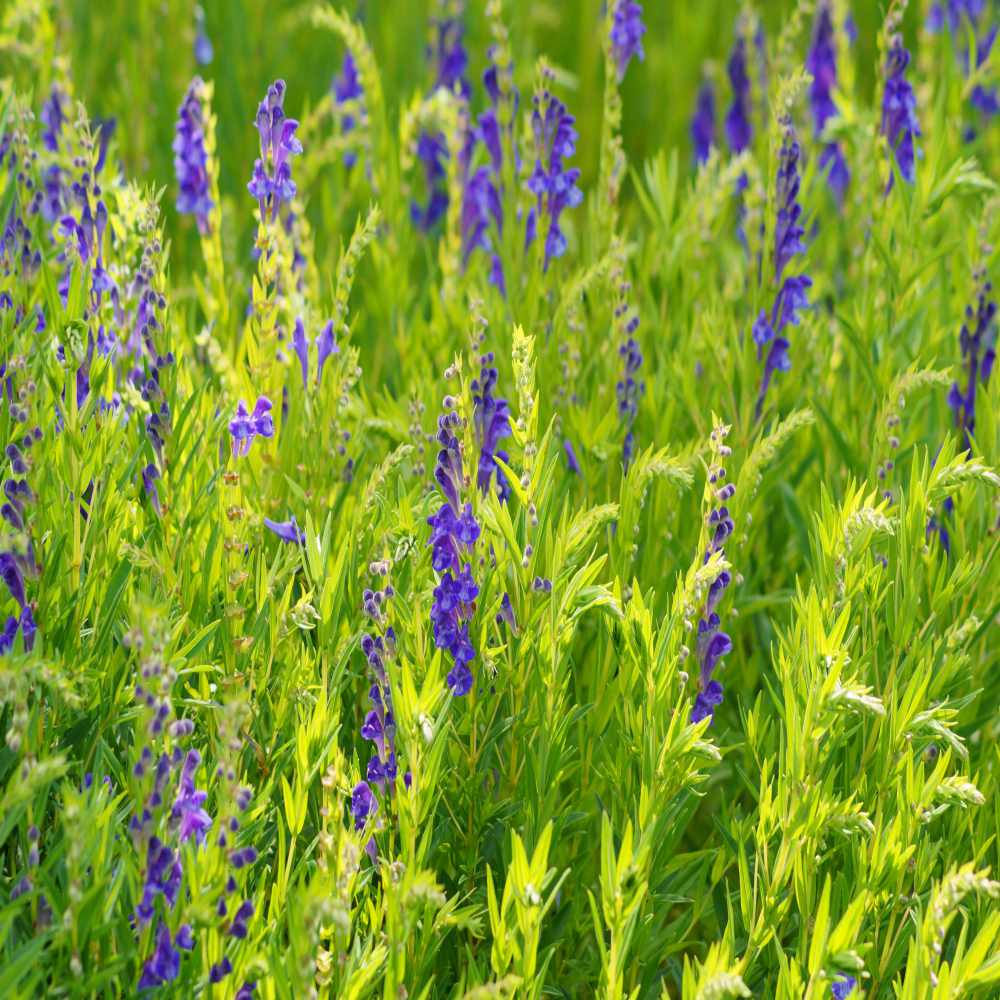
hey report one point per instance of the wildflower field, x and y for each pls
(499, 499)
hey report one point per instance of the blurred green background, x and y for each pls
(133, 59)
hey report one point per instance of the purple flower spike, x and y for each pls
(703, 123)
(627, 30)
(977, 340)
(454, 531)
(822, 64)
(347, 87)
(164, 965)
(793, 292)
(554, 186)
(190, 158)
(188, 813)
(53, 116)
(739, 130)
(899, 113)
(788, 231)
(492, 421)
(271, 182)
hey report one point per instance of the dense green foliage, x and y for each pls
(564, 829)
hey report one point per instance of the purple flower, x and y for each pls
(703, 123)
(448, 55)
(453, 533)
(28, 628)
(163, 877)
(220, 970)
(713, 643)
(190, 158)
(243, 858)
(482, 193)
(188, 813)
(164, 965)
(450, 60)
(238, 927)
(287, 531)
(739, 130)
(788, 230)
(184, 937)
(961, 18)
(492, 422)
(326, 345)
(571, 460)
(822, 64)
(899, 112)
(792, 296)
(301, 347)
(53, 116)
(202, 43)
(842, 986)
(12, 575)
(505, 615)
(627, 30)
(245, 426)
(630, 388)
(978, 344)
(480, 207)
(432, 151)
(553, 185)
(149, 476)
(271, 182)
(364, 805)
(8, 635)
(347, 88)
(707, 701)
